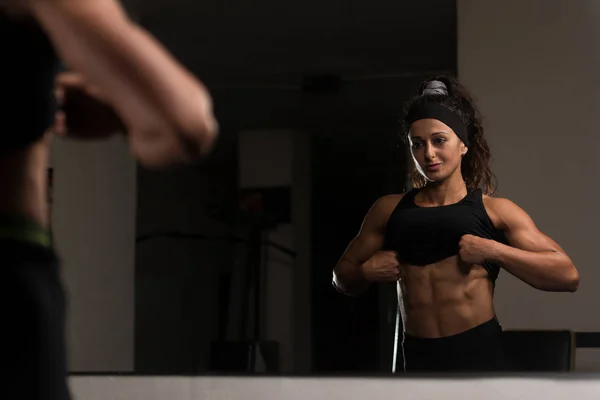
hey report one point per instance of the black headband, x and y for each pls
(441, 113)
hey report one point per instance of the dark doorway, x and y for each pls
(349, 173)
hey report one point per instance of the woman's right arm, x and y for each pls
(352, 274)
(166, 110)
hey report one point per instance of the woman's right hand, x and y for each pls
(84, 114)
(383, 266)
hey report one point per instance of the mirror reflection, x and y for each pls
(382, 198)
(374, 169)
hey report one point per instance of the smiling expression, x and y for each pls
(437, 151)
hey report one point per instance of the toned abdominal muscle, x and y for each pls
(446, 298)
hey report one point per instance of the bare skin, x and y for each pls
(23, 182)
(454, 294)
(166, 111)
(125, 81)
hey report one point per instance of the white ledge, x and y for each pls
(548, 387)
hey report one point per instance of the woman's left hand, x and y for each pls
(474, 250)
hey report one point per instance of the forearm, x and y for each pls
(149, 90)
(544, 270)
(349, 279)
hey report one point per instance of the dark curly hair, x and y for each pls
(475, 165)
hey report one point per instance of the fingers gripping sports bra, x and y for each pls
(425, 235)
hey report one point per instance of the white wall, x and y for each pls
(534, 67)
(94, 229)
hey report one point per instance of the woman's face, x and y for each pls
(436, 149)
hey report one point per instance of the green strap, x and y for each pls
(25, 230)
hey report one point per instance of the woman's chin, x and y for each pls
(431, 176)
(434, 177)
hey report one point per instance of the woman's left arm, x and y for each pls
(531, 255)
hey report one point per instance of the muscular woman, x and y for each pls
(121, 81)
(446, 240)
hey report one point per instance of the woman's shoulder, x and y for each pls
(385, 205)
(495, 202)
(501, 210)
(390, 200)
(393, 197)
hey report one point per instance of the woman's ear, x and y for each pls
(464, 150)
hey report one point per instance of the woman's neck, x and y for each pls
(449, 191)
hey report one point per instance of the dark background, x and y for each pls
(336, 71)
(347, 331)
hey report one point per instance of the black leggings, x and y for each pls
(475, 350)
(33, 312)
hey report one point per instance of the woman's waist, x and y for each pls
(23, 182)
(485, 331)
(447, 316)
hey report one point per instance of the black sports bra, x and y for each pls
(28, 68)
(425, 235)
